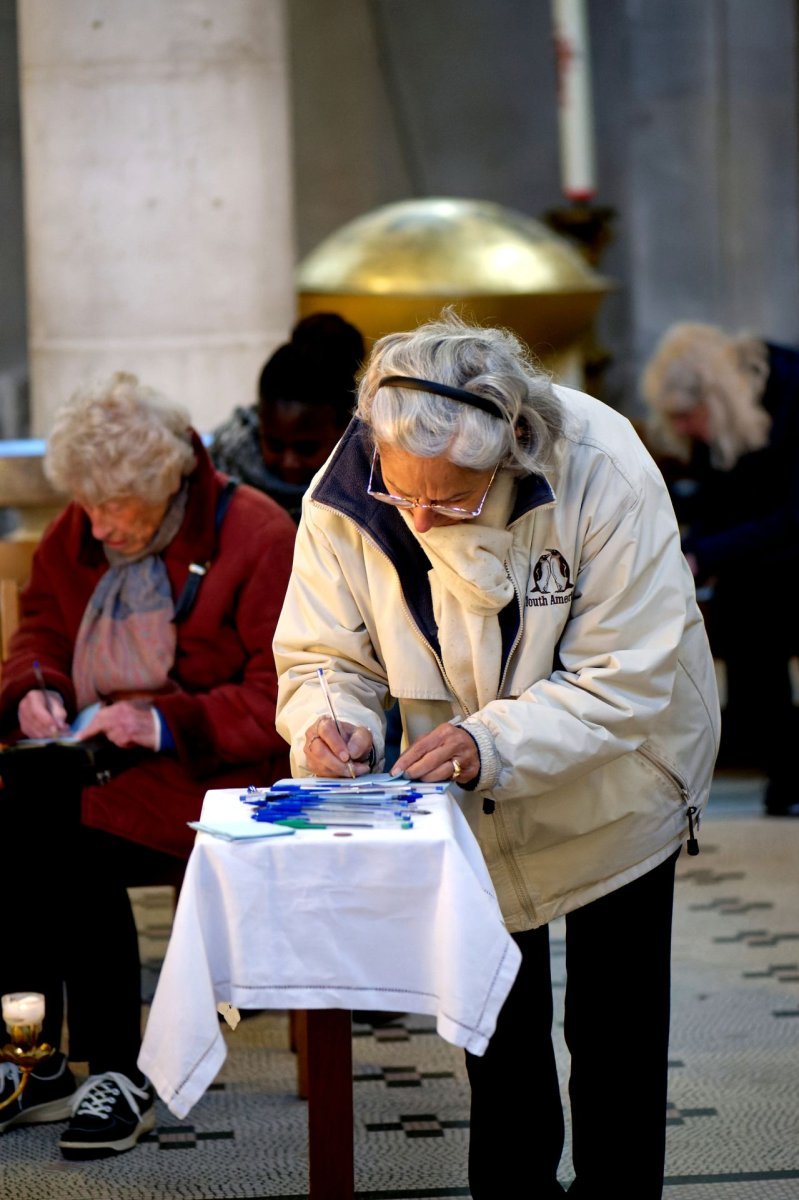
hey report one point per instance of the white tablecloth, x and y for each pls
(398, 920)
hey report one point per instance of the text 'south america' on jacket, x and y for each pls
(599, 748)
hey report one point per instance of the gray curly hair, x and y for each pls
(490, 362)
(116, 438)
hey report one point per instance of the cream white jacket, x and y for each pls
(599, 749)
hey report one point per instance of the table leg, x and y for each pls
(298, 1033)
(330, 1109)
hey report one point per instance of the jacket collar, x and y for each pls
(342, 487)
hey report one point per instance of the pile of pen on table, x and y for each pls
(371, 802)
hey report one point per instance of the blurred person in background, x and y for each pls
(306, 394)
(724, 425)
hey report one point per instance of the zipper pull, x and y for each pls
(692, 844)
(488, 805)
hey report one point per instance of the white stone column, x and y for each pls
(158, 196)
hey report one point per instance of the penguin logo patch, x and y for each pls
(552, 580)
(551, 573)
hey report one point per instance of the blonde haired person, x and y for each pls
(149, 615)
(724, 420)
(500, 554)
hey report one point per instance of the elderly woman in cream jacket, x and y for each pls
(500, 555)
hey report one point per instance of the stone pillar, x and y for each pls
(157, 196)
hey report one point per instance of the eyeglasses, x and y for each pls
(444, 510)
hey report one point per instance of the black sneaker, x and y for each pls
(110, 1114)
(375, 1018)
(46, 1097)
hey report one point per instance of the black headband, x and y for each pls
(443, 389)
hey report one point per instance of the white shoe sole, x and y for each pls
(80, 1149)
(42, 1114)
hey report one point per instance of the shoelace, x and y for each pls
(97, 1094)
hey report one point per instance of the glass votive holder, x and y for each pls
(23, 1013)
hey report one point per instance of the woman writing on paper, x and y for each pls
(501, 556)
(152, 603)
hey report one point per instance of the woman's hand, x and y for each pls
(124, 723)
(447, 752)
(331, 754)
(37, 720)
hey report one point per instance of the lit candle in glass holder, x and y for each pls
(23, 1013)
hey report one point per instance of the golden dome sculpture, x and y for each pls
(400, 264)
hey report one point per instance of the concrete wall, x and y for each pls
(711, 193)
(696, 129)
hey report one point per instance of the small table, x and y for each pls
(392, 920)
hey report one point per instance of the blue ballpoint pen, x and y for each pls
(388, 818)
(389, 805)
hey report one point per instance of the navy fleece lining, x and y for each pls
(343, 488)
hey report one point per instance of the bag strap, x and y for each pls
(198, 571)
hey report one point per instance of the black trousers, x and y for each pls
(69, 930)
(617, 1009)
(759, 722)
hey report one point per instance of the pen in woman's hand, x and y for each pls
(326, 690)
(48, 704)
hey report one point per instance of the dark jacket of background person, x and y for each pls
(222, 711)
(749, 514)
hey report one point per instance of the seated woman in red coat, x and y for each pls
(150, 612)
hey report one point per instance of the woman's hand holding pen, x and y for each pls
(41, 714)
(331, 753)
(446, 752)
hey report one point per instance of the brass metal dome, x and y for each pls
(400, 264)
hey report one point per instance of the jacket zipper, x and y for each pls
(692, 844)
(406, 610)
(509, 858)
(489, 804)
(519, 631)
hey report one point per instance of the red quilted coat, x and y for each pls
(222, 715)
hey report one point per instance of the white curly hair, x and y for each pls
(118, 437)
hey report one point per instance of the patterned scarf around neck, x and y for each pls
(470, 585)
(126, 640)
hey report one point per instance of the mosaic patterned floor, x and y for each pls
(733, 1121)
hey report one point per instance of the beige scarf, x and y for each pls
(470, 585)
